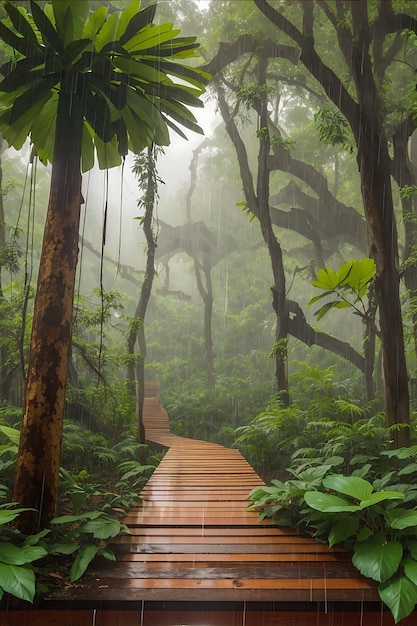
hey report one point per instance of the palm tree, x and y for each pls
(80, 83)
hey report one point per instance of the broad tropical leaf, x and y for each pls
(402, 518)
(377, 558)
(343, 530)
(400, 596)
(328, 502)
(113, 62)
(103, 528)
(18, 581)
(410, 569)
(13, 555)
(82, 561)
(349, 485)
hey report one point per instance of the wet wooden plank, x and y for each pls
(220, 595)
(221, 548)
(229, 559)
(193, 540)
(202, 617)
(282, 575)
(271, 531)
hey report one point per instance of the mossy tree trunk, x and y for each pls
(37, 470)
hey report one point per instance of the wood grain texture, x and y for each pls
(192, 537)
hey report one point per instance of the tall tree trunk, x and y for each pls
(3, 349)
(366, 120)
(369, 343)
(207, 297)
(37, 470)
(138, 330)
(258, 203)
(279, 296)
(374, 169)
(405, 176)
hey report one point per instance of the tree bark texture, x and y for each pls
(138, 332)
(366, 120)
(37, 470)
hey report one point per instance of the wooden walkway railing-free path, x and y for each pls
(195, 555)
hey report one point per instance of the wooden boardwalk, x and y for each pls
(195, 555)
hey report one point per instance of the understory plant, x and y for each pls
(375, 519)
(101, 480)
(17, 554)
(322, 422)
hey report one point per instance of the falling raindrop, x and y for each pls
(142, 613)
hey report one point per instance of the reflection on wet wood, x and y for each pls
(193, 539)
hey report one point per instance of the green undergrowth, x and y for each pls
(100, 480)
(372, 512)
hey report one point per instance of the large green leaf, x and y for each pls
(14, 555)
(43, 127)
(94, 22)
(108, 31)
(69, 519)
(97, 113)
(402, 518)
(149, 37)
(49, 35)
(106, 72)
(329, 503)
(107, 153)
(42, 91)
(181, 93)
(18, 581)
(400, 596)
(140, 135)
(353, 486)
(18, 17)
(127, 16)
(191, 75)
(9, 515)
(377, 558)
(64, 548)
(74, 50)
(173, 110)
(335, 304)
(326, 279)
(70, 17)
(146, 111)
(21, 44)
(82, 561)
(103, 527)
(22, 73)
(343, 530)
(87, 153)
(141, 71)
(381, 496)
(32, 540)
(410, 569)
(17, 133)
(179, 48)
(361, 272)
(136, 23)
(11, 433)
